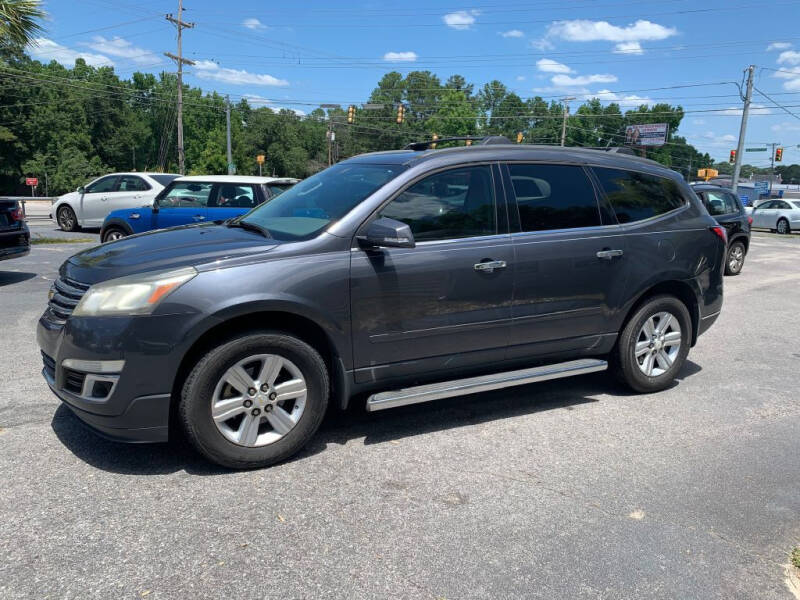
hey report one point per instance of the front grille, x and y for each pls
(66, 295)
(73, 381)
(49, 366)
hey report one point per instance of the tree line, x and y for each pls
(68, 125)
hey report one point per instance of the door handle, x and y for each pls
(609, 254)
(490, 265)
(199, 218)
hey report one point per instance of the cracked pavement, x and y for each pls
(566, 489)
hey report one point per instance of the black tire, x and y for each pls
(66, 219)
(734, 259)
(782, 226)
(114, 233)
(194, 409)
(624, 363)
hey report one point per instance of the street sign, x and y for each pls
(745, 200)
(31, 181)
(755, 149)
(260, 159)
(761, 187)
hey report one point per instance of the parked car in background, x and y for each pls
(781, 216)
(89, 205)
(727, 209)
(394, 277)
(15, 239)
(195, 199)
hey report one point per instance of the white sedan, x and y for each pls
(89, 205)
(782, 216)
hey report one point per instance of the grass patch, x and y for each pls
(796, 557)
(52, 240)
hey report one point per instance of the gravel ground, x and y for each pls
(566, 489)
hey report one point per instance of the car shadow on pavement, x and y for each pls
(338, 428)
(12, 277)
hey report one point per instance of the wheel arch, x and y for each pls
(681, 290)
(744, 239)
(115, 222)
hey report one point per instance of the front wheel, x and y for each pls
(66, 219)
(254, 400)
(783, 226)
(735, 259)
(113, 233)
(653, 345)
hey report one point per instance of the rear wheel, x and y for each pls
(66, 219)
(735, 259)
(254, 400)
(113, 233)
(783, 226)
(653, 345)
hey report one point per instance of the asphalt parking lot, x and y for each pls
(567, 489)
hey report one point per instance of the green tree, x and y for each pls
(19, 21)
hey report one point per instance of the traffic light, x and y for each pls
(733, 156)
(401, 114)
(519, 137)
(351, 114)
(433, 145)
(778, 154)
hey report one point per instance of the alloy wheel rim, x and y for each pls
(114, 235)
(658, 344)
(66, 219)
(736, 258)
(259, 400)
(782, 227)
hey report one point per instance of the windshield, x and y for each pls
(313, 204)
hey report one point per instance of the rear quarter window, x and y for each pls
(637, 196)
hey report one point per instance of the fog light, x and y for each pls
(94, 366)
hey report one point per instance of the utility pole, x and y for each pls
(330, 134)
(180, 25)
(564, 123)
(737, 167)
(772, 146)
(228, 133)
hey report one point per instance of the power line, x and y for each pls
(783, 108)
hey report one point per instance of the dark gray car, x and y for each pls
(399, 277)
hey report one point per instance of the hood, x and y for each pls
(193, 245)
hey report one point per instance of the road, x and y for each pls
(567, 489)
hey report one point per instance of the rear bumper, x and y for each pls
(16, 252)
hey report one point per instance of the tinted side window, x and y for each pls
(106, 184)
(449, 205)
(186, 194)
(636, 196)
(129, 183)
(719, 203)
(733, 203)
(553, 197)
(234, 196)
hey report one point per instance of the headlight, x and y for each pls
(133, 295)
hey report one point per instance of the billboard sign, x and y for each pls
(651, 134)
(31, 181)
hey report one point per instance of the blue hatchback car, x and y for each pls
(195, 199)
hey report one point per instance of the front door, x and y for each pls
(437, 306)
(183, 203)
(569, 258)
(765, 214)
(94, 201)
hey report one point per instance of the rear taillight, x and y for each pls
(721, 233)
(17, 215)
(749, 220)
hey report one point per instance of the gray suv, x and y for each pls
(393, 278)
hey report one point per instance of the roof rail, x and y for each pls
(480, 141)
(615, 149)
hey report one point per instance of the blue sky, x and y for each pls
(300, 54)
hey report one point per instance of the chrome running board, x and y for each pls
(484, 383)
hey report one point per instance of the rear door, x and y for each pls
(436, 306)
(183, 203)
(131, 192)
(569, 259)
(765, 215)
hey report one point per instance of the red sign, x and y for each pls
(31, 181)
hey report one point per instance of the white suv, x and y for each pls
(89, 205)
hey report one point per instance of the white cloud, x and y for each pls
(122, 48)
(628, 48)
(206, 69)
(786, 126)
(253, 23)
(257, 101)
(792, 75)
(45, 50)
(756, 110)
(542, 44)
(400, 56)
(520, 77)
(630, 101)
(578, 80)
(461, 19)
(511, 33)
(584, 30)
(778, 46)
(548, 65)
(789, 57)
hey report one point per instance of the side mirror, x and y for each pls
(387, 233)
(81, 190)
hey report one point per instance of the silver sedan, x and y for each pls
(782, 216)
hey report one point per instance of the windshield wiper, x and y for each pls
(249, 226)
